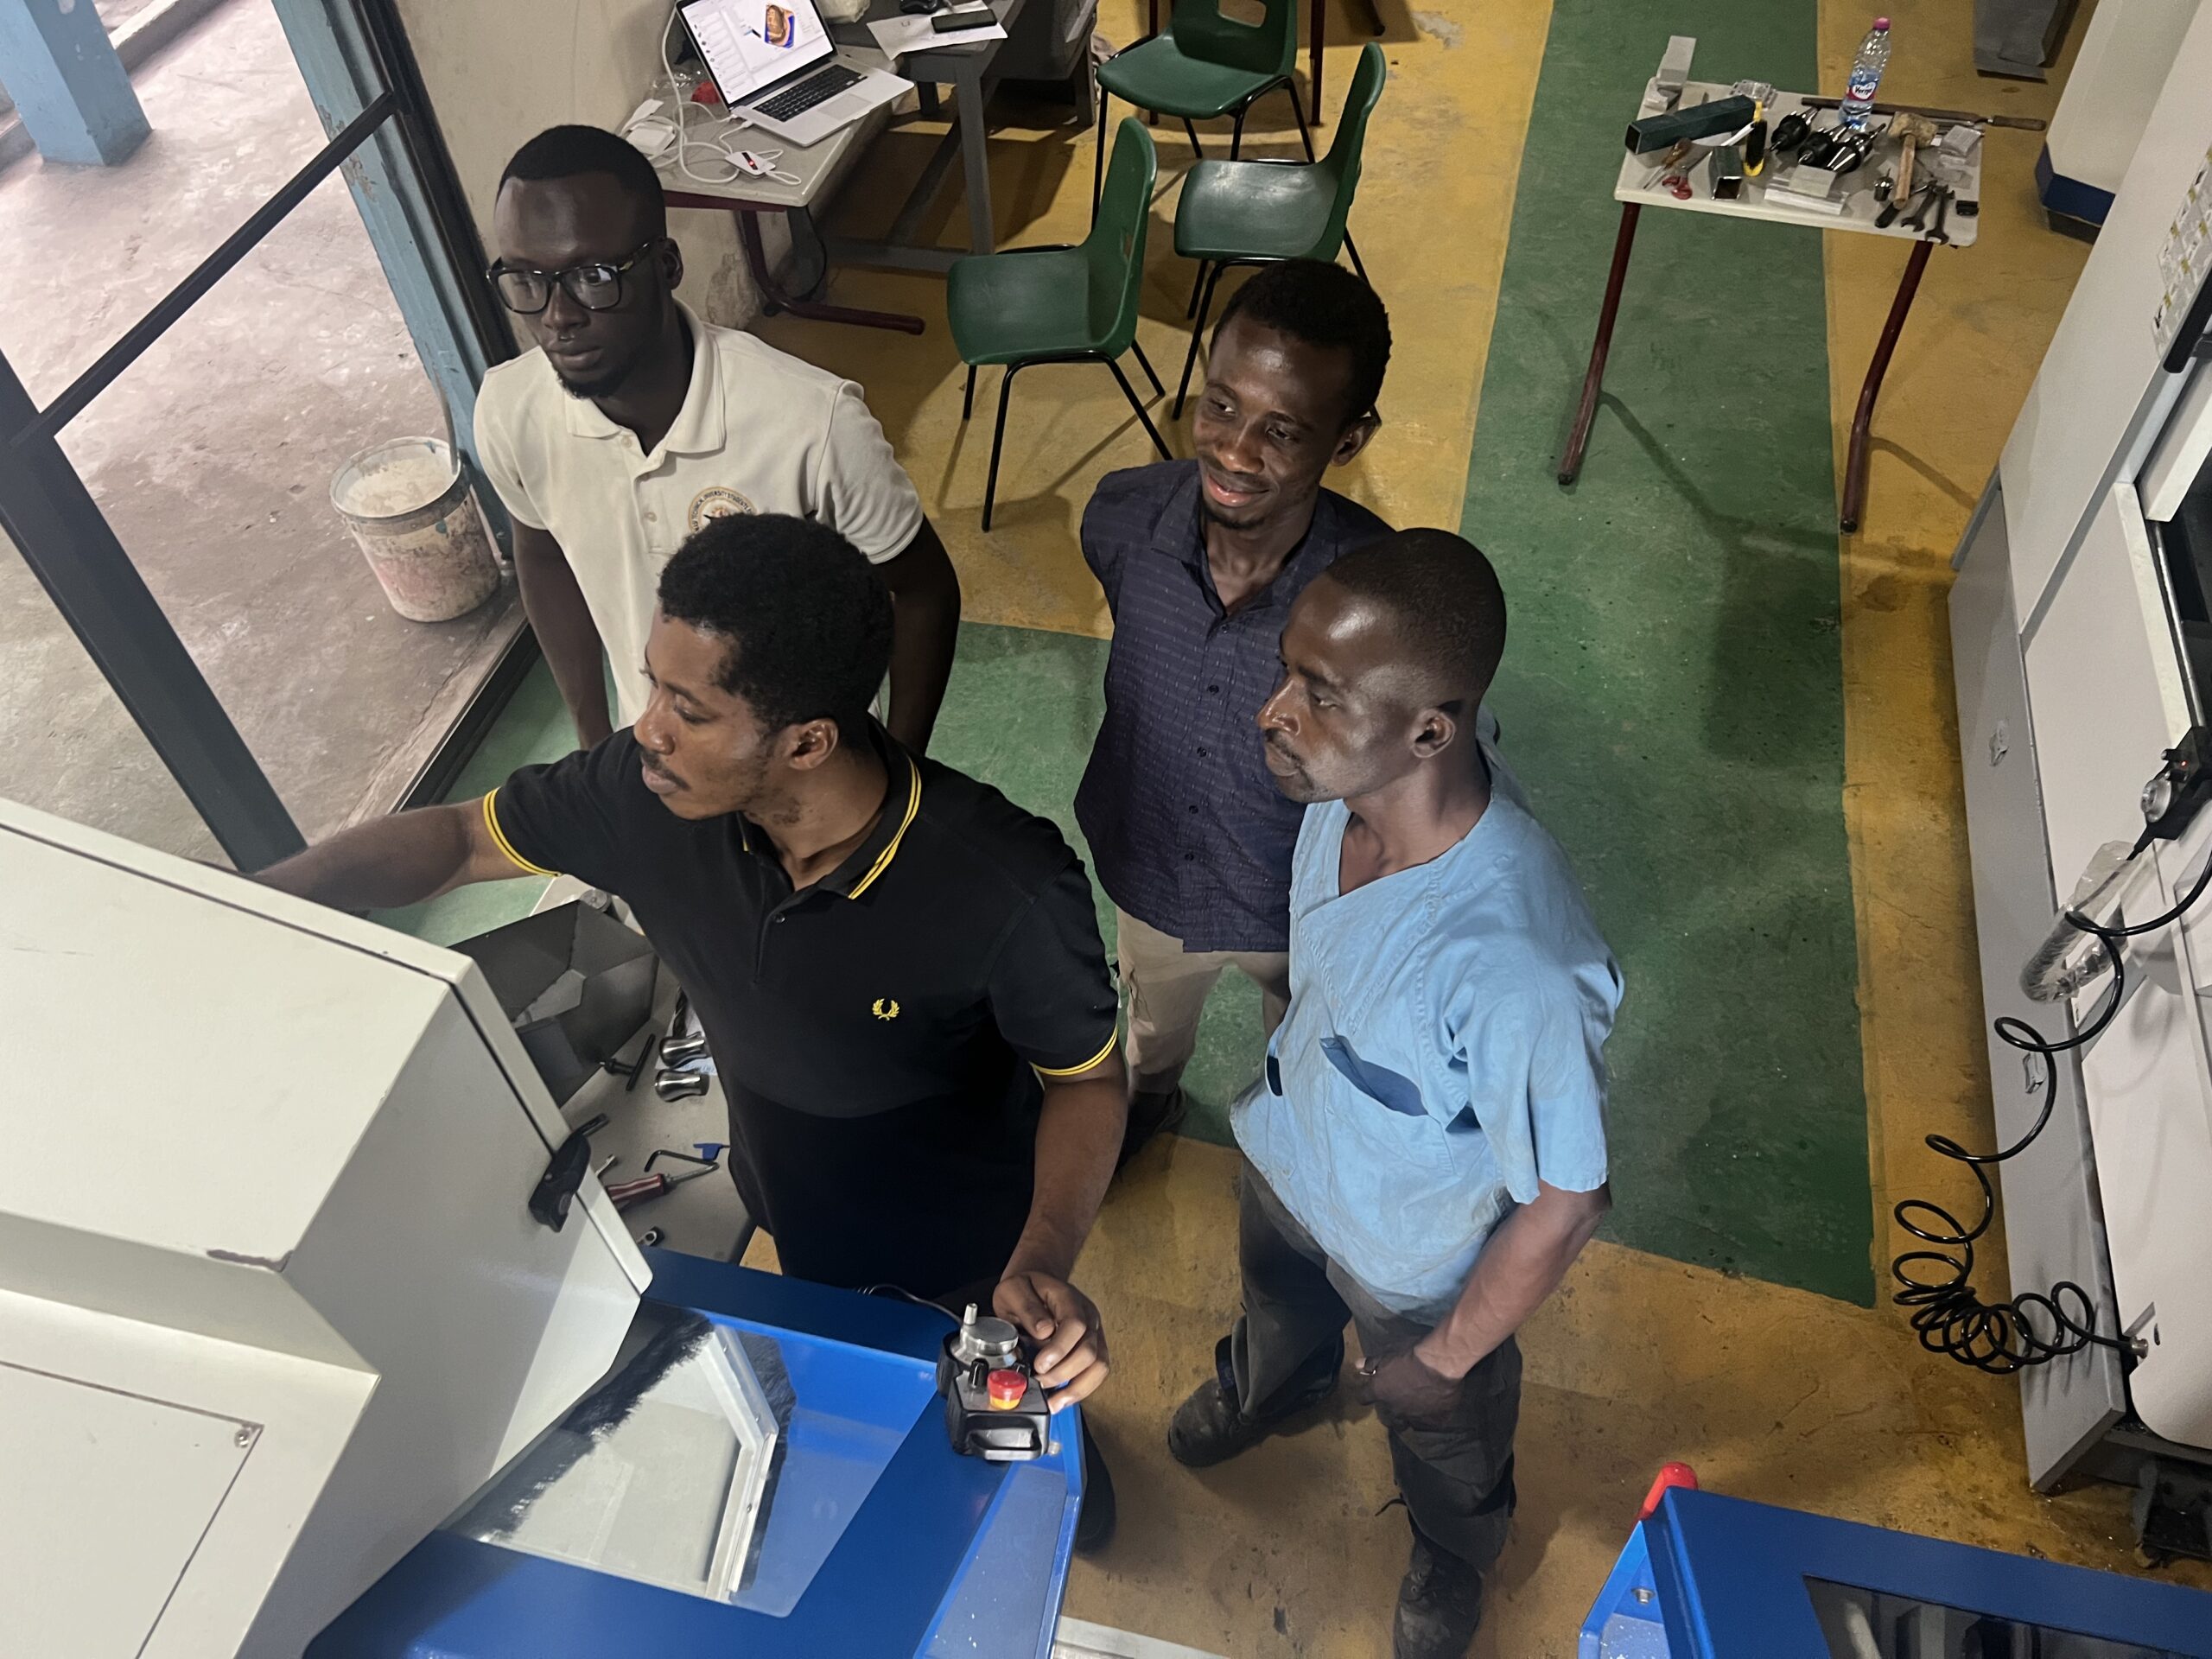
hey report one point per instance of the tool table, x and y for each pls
(1639, 186)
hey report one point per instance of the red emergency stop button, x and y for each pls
(1007, 1389)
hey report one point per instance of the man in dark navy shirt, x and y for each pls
(899, 970)
(1200, 562)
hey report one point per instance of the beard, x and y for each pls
(604, 384)
(1250, 519)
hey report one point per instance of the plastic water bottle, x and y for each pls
(1866, 74)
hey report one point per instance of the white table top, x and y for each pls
(820, 168)
(1640, 175)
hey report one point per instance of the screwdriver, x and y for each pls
(626, 1193)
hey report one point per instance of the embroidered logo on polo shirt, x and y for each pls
(885, 1008)
(717, 502)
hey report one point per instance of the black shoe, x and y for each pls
(1439, 1605)
(1093, 1522)
(1150, 1116)
(1209, 1428)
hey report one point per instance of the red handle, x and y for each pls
(1673, 1474)
(626, 1193)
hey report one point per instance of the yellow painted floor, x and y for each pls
(1770, 1393)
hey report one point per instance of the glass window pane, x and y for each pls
(1862, 1624)
(67, 744)
(658, 1475)
(213, 458)
(86, 251)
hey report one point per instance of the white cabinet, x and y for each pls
(2104, 687)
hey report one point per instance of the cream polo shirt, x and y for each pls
(759, 431)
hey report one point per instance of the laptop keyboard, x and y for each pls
(814, 89)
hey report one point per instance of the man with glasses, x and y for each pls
(634, 422)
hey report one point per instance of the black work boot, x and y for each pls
(1210, 1428)
(1439, 1605)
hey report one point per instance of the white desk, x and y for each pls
(1638, 186)
(823, 168)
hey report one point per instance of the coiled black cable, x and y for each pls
(1948, 1314)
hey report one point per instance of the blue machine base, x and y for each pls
(1708, 1576)
(944, 1554)
(2069, 197)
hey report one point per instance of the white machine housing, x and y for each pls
(2074, 677)
(272, 1304)
(2127, 49)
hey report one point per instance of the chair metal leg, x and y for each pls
(1130, 392)
(1098, 172)
(1305, 133)
(1315, 41)
(1191, 362)
(998, 442)
(1198, 282)
(1356, 263)
(1197, 148)
(1236, 134)
(1145, 363)
(967, 398)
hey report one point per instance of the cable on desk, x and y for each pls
(1948, 1315)
(904, 1294)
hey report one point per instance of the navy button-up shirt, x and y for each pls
(1188, 831)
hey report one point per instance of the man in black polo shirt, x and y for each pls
(898, 970)
(1201, 561)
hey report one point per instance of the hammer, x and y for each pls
(1912, 131)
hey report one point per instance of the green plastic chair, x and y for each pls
(1261, 212)
(1207, 64)
(1062, 304)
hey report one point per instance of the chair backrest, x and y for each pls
(1348, 149)
(1114, 248)
(1202, 29)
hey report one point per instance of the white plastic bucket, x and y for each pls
(410, 509)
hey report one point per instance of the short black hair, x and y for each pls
(570, 152)
(1324, 305)
(1445, 598)
(807, 618)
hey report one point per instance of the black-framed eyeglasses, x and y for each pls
(918, 7)
(595, 285)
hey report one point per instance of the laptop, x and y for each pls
(775, 65)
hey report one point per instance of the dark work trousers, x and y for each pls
(1457, 1477)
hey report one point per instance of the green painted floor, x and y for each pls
(1672, 692)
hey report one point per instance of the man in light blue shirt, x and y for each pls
(1425, 1156)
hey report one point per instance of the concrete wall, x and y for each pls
(499, 70)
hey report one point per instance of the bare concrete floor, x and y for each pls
(212, 456)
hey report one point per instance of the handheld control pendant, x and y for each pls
(994, 1408)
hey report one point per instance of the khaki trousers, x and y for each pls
(1168, 987)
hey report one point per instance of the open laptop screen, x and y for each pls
(752, 44)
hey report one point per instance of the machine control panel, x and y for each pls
(995, 1407)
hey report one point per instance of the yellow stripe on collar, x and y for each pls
(914, 805)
